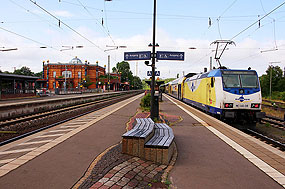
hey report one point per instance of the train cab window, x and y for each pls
(249, 81)
(231, 81)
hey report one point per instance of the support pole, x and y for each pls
(108, 73)
(153, 65)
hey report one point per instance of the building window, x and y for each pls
(68, 74)
(79, 74)
(54, 74)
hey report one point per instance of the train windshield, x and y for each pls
(231, 81)
(240, 79)
(249, 81)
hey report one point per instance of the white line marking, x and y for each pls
(6, 160)
(271, 172)
(45, 136)
(62, 130)
(36, 142)
(70, 126)
(16, 151)
(191, 114)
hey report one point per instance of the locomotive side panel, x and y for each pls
(201, 93)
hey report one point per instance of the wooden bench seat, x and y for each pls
(160, 147)
(134, 140)
(149, 141)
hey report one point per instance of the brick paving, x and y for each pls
(116, 170)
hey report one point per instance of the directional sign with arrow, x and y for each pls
(141, 55)
(169, 55)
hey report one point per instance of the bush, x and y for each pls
(276, 95)
(283, 96)
(145, 102)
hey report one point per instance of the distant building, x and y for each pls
(77, 74)
(15, 86)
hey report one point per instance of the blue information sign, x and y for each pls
(157, 73)
(169, 55)
(141, 55)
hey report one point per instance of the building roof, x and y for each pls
(75, 61)
(3, 75)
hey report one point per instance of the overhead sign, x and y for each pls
(169, 55)
(157, 73)
(141, 55)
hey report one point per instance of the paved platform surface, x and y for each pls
(205, 161)
(91, 158)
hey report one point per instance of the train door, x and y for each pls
(179, 91)
(208, 91)
(209, 88)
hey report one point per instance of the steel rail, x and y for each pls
(267, 139)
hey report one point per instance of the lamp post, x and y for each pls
(108, 73)
(65, 79)
(153, 64)
(270, 86)
(97, 75)
(112, 48)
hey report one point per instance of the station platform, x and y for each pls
(85, 153)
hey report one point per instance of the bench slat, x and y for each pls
(163, 136)
(142, 129)
(133, 130)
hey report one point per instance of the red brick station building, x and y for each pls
(75, 74)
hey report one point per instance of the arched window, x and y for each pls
(67, 74)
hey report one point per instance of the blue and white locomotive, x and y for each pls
(225, 93)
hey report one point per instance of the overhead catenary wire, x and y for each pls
(169, 15)
(55, 26)
(97, 21)
(257, 21)
(239, 33)
(30, 39)
(31, 12)
(34, 2)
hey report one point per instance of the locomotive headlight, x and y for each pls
(255, 105)
(229, 105)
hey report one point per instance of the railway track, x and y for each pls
(274, 122)
(267, 139)
(14, 129)
(269, 101)
(260, 136)
(274, 107)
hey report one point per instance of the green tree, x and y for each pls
(145, 85)
(87, 82)
(114, 70)
(126, 74)
(168, 80)
(39, 74)
(277, 80)
(137, 83)
(24, 71)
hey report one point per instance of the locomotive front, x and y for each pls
(242, 95)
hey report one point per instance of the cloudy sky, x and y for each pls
(181, 24)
